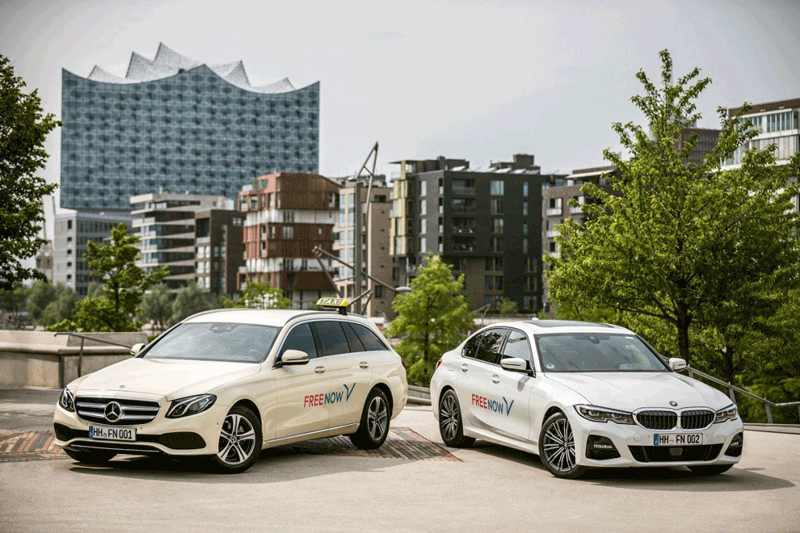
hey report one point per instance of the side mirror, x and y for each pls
(514, 364)
(677, 364)
(136, 348)
(293, 357)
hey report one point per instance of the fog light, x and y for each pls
(676, 452)
(600, 448)
(735, 448)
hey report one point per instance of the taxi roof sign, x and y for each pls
(336, 303)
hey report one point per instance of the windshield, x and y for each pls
(596, 352)
(216, 341)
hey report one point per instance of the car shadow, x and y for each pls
(651, 478)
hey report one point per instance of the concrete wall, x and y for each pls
(40, 359)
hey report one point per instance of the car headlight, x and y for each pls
(67, 400)
(729, 413)
(602, 414)
(190, 405)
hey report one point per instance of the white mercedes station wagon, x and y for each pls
(582, 395)
(227, 383)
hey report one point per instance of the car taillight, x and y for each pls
(439, 362)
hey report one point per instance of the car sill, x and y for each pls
(329, 432)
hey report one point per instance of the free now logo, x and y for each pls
(493, 405)
(338, 396)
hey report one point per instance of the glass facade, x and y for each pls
(192, 132)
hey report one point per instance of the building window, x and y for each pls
(288, 232)
(423, 225)
(351, 236)
(288, 216)
(272, 231)
(423, 188)
(525, 189)
(423, 245)
(496, 187)
(525, 246)
(524, 228)
(379, 291)
(497, 225)
(496, 244)
(351, 200)
(494, 264)
(496, 206)
(524, 209)
(494, 283)
(423, 207)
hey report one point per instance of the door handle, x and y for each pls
(495, 379)
(319, 369)
(363, 364)
(464, 367)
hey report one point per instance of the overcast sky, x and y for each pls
(473, 80)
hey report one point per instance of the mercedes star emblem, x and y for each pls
(673, 403)
(113, 411)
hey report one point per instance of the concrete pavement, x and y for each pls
(486, 488)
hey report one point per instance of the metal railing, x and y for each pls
(733, 389)
(83, 339)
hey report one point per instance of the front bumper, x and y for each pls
(193, 435)
(636, 445)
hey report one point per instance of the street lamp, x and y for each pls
(359, 260)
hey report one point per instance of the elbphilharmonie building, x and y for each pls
(176, 125)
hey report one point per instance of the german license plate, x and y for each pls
(677, 439)
(107, 433)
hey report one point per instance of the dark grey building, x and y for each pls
(177, 125)
(484, 222)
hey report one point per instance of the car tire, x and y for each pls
(90, 458)
(451, 425)
(240, 441)
(710, 470)
(557, 448)
(374, 426)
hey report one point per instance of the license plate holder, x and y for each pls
(112, 433)
(677, 439)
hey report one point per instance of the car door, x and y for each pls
(301, 389)
(476, 373)
(511, 391)
(347, 364)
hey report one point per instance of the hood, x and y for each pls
(628, 391)
(172, 378)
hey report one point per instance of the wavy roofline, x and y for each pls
(206, 67)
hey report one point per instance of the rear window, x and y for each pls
(368, 338)
(331, 337)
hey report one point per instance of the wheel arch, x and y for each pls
(388, 392)
(251, 406)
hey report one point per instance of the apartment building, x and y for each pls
(286, 216)
(486, 222)
(374, 240)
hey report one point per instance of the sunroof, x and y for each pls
(566, 324)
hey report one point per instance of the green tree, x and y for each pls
(123, 286)
(433, 318)
(190, 300)
(684, 245)
(157, 306)
(507, 306)
(40, 295)
(23, 129)
(12, 304)
(261, 295)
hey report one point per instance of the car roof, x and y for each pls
(542, 327)
(267, 317)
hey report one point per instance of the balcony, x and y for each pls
(552, 233)
(554, 212)
(464, 209)
(203, 240)
(464, 190)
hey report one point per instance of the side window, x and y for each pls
(518, 346)
(299, 338)
(368, 338)
(471, 348)
(331, 337)
(490, 347)
(352, 338)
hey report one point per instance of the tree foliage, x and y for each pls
(23, 130)
(688, 250)
(157, 306)
(433, 318)
(123, 284)
(261, 295)
(190, 300)
(49, 304)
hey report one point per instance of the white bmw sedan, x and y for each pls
(582, 395)
(227, 383)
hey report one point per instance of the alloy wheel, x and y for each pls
(559, 446)
(237, 440)
(448, 418)
(377, 418)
